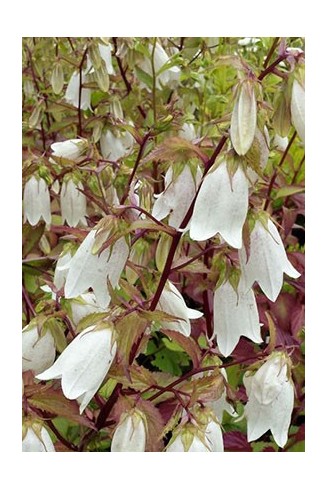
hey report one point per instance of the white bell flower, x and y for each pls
(84, 305)
(297, 108)
(177, 196)
(83, 365)
(71, 149)
(73, 90)
(115, 147)
(212, 440)
(38, 351)
(267, 261)
(270, 400)
(36, 201)
(235, 315)
(172, 302)
(73, 203)
(221, 206)
(188, 132)
(86, 269)
(243, 119)
(169, 77)
(130, 434)
(37, 440)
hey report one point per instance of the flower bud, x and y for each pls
(243, 120)
(130, 434)
(38, 348)
(57, 78)
(36, 438)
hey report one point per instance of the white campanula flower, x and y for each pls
(38, 349)
(36, 439)
(130, 435)
(172, 302)
(192, 441)
(83, 365)
(83, 306)
(221, 405)
(221, 206)
(71, 149)
(73, 90)
(87, 270)
(168, 77)
(270, 400)
(267, 260)
(243, 119)
(177, 196)
(115, 147)
(297, 108)
(73, 203)
(36, 201)
(235, 315)
(188, 132)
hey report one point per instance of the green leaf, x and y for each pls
(289, 190)
(31, 237)
(144, 77)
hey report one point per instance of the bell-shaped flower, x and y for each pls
(235, 314)
(190, 440)
(270, 400)
(72, 93)
(267, 260)
(243, 119)
(130, 435)
(36, 439)
(38, 348)
(297, 108)
(71, 149)
(83, 365)
(177, 196)
(188, 132)
(73, 203)
(222, 405)
(172, 302)
(168, 77)
(84, 305)
(36, 201)
(87, 270)
(115, 147)
(221, 206)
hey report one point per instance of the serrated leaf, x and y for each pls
(90, 320)
(53, 401)
(289, 190)
(177, 150)
(129, 329)
(31, 237)
(145, 224)
(188, 345)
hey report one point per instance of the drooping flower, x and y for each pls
(187, 132)
(72, 93)
(270, 400)
(71, 149)
(221, 206)
(83, 365)
(177, 196)
(191, 440)
(235, 314)
(73, 203)
(36, 201)
(115, 147)
(36, 439)
(38, 349)
(168, 77)
(130, 435)
(93, 270)
(267, 260)
(172, 302)
(243, 119)
(297, 108)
